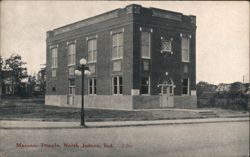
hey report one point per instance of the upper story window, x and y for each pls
(146, 45)
(117, 46)
(54, 57)
(185, 49)
(92, 50)
(72, 54)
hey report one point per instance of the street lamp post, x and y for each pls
(82, 70)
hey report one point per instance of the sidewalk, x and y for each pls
(4, 124)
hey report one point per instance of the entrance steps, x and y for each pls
(200, 113)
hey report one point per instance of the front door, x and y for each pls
(167, 96)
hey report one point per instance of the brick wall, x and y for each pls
(104, 64)
(131, 19)
(160, 64)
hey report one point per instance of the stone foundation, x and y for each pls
(187, 102)
(125, 102)
(100, 101)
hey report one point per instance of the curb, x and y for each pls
(125, 125)
(114, 120)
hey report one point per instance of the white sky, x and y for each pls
(222, 46)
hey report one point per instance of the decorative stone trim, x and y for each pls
(193, 19)
(186, 35)
(144, 29)
(87, 22)
(70, 42)
(53, 46)
(166, 15)
(121, 30)
(133, 9)
(91, 37)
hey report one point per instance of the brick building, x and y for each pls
(138, 57)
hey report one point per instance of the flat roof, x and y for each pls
(114, 14)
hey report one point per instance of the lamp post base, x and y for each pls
(84, 126)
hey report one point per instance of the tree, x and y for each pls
(1, 75)
(202, 87)
(1, 63)
(236, 87)
(41, 80)
(17, 68)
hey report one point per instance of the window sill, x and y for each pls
(116, 59)
(145, 57)
(145, 94)
(91, 75)
(90, 62)
(71, 65)
(116, 71)
(185, 61)
(167, 51)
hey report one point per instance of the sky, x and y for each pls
(222, 40)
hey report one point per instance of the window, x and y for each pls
(145, 45)
(117, 85)
(71, 54)
(54, 57)
(145, 82)
(117, 65)
(117, 46)
(185, 49)
(53, 73)
(92, 50)
(185, 86)
(92, 85)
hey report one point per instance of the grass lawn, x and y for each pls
(16, 109)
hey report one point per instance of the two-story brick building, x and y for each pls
(138, 57)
